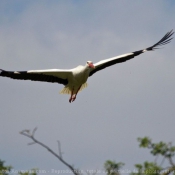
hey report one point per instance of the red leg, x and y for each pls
(75, 95)
(70, 99)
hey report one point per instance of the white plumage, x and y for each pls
(75, 79)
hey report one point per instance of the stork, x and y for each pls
(74, 80)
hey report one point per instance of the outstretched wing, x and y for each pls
(122, 58)
(51, 75)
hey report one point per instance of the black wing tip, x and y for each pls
(165, 40)
(1, 72)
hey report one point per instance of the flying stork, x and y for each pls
(74, 80)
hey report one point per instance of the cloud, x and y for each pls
(121, 103)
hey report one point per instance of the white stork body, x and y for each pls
(75, 79)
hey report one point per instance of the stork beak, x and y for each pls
(91, 65)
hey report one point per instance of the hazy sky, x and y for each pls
(121, 103)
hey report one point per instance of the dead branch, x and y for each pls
(169, 170)
(30, 135)
(59, 149)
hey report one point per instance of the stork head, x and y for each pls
(90, 64)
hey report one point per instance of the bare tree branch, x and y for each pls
(33, 132)
(31, 136)
(168, 171)
(163, 160)
(155, 161)
(32, 143)
(170, 153)
(59, 149)
(171, 161)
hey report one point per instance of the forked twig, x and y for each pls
(59, 149)
(30, 135)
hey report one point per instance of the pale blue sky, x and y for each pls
(120, 104)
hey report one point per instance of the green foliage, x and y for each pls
(162, 150)
(112, 168)
(7, 170)
(149, 168)
(144, 142)
(165, 150)
(4, 170)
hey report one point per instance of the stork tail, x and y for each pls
(67, 90)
